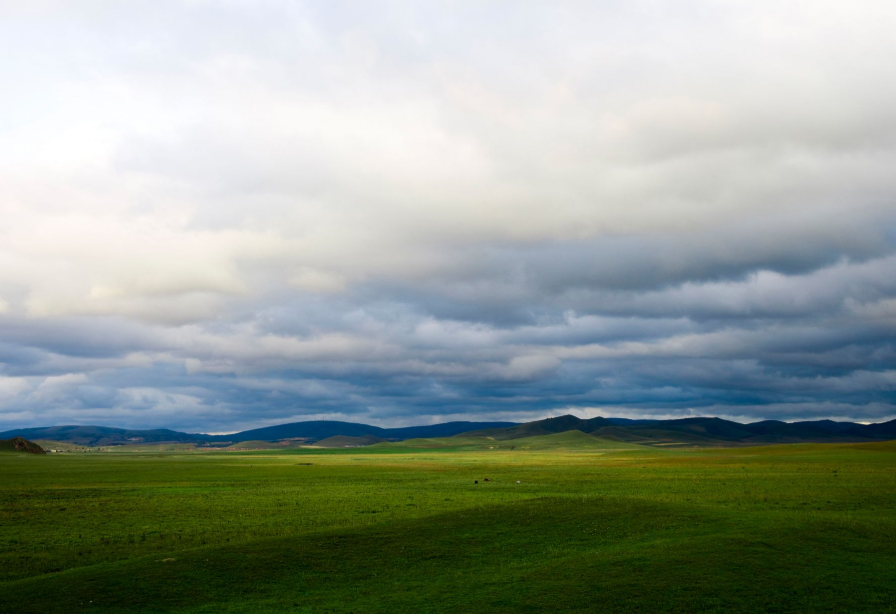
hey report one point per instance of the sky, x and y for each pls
(223, 215)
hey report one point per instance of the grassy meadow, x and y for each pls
(565, 523)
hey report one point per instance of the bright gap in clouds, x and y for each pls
(220, 216)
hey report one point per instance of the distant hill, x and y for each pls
(309, 432)
(312, 430)
(566, 441)
(704, 431)
(317, 430)
(698, 431)
(104, 435)
(548, 426)
(18, 444)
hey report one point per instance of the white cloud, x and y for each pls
(442, 201)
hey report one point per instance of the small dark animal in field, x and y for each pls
(475, 481)
(485, 480)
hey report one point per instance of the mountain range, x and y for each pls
(702, 431)
(309, 432)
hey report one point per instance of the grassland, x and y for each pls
(563, 524)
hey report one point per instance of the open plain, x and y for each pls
(560, 523)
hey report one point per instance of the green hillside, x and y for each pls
(567, 441)
(548, 426)
(48, 444)
(261, 445)
(682, 432)
(696, 432)
(662, 438)
(343, 441)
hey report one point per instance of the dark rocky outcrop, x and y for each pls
(20, 444)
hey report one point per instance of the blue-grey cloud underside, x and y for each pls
(220, 216)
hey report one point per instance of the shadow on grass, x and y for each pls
(545, 555)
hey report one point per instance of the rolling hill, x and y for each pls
(318, 430)
(567, 441)
(309, 432)
(698, 431)
(103, 435)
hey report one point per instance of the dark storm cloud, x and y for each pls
(220, 216)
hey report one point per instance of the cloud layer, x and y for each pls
(224, 215)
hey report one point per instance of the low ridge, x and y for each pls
(698, 431)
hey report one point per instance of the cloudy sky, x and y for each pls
(222, 215)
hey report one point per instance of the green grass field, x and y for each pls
(592, 526)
